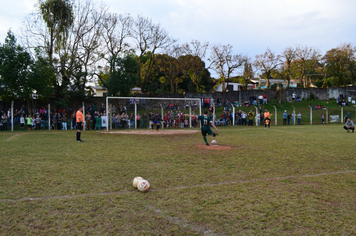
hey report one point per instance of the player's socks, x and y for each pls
(206, 141)
(77, 135)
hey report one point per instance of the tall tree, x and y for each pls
(193, 64)
(339, 63)
(21, 76)
(225, 62)
(289, 56)
(123, 77)
(307, 60)
(267, 63)
(149, 39)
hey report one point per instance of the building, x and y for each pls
(262, 83)
(99, 91)
(231, 86)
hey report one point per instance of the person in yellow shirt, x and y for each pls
(80, 123)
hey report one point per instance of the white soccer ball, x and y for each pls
(213, 142)
(135, 181)
(143, 185)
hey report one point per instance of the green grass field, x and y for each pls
(287, 180)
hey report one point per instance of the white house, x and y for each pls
(230, 86)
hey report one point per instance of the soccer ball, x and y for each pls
(143, 185)
(135, 181)
(213, 142)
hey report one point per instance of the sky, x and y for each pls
(250, 26)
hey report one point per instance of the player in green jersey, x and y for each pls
(205, 125)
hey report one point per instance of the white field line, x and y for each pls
(176, 188)
(14, 136)
(175, 220)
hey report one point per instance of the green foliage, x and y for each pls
(123, 77)
(312, 96)
(22, 76)
(58, 15)
(319, 83)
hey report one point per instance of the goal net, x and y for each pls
(134, 112)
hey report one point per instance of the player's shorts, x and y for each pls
(205, 131)
(156, 122)
(79, 126)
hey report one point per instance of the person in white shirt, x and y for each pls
(349, 125)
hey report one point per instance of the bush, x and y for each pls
(312, 96)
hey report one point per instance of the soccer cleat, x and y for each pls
(348, 131)
(151, 129)
(207, 144)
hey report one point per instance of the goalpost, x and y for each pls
(109, 111)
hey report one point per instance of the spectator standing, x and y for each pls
(254, 100)
(88, 120)
(143, 104)
(22, 122)
(285, 116)
(219, 102)
(64, 122)
(251, 116)
(243, 118)
(260, 98)
(212, 101)
(138, 120)
(349, 125)
(29, 122)
(299, 116)
(293, 96)
(38, 122)
(264, 98)
(288, 117)
(59, 121)
(74, 120)
(322, 118)
(144, 121)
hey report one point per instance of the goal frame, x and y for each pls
(146, 98)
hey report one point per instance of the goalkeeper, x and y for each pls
(205, 125)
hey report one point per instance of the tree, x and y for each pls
(306, 62)
(123, 77)
(340, 63)
(193, 64)
(225, 63)
(21, 76)
(149, 37)
(289, 56)
(267, 63)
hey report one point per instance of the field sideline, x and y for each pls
(287, 180)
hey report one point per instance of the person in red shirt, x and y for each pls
(80, 123)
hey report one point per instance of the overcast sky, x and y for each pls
(249, 25)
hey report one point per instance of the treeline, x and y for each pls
(68, 45)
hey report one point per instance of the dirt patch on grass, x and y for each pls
(213, 147)
(155, 132)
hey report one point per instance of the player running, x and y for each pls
(205, 125)
(156, 119)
